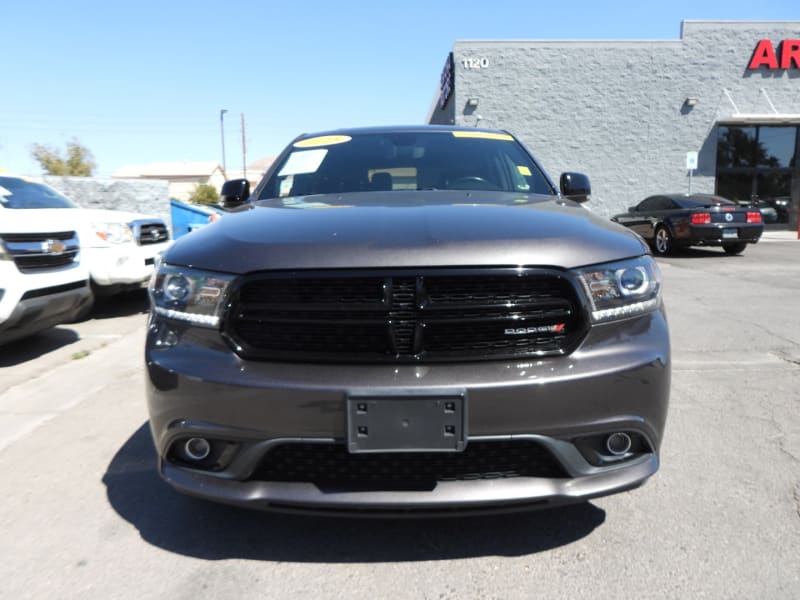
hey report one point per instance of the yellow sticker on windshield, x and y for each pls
(323, 140)
(484, 135)
(523, 170)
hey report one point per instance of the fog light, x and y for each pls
(198, 448)
(618, 443)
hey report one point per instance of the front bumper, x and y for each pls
(33, 302)
(122, 266)
(617, 380)
(449, 497)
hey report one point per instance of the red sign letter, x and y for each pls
(764, 56)
(790, 53)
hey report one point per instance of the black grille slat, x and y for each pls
(428, 315)
(317, 339)
(317, 291)
(402, 313)
(491, 291)
(333, 465)
(36, 237)
(44, 261)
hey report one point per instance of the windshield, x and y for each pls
(704, 202)
(20, 193)
(439, 160)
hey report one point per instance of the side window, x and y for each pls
(663, 203)
(648, 204)
(669, 204)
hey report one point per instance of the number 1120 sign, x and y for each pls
(475, 63)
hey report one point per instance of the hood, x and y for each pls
(39, 220)
(406, 229)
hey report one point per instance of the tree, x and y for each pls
(204, 194)
(78, 160)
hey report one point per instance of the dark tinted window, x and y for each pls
(365, 162)
(736, 147)
(701, 201)
(776, 147)
(649, 204)
(736, 186)
(19, 193)
(755, 163)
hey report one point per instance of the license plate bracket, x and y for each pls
(413, 423)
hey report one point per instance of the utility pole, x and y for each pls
(244, 151)
(222, 138)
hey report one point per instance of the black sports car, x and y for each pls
(670, 221)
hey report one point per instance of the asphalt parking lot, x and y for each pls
(84, 514)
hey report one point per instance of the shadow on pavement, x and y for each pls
(120, 305)
(200, 529)
(20, 351)
(702, 252)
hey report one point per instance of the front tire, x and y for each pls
(734, 248)
(663, 244)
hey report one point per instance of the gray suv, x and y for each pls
(407, 320)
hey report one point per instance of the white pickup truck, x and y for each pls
(50, 248)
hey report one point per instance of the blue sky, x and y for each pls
(144, 81)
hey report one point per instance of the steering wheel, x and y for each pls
(472, 182)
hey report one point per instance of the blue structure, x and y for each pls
(188, 217)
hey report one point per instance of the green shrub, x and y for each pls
(204, 194)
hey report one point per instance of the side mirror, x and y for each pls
(631, 209)
(235, 193)
(575, 186)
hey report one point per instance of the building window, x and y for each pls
(754, 165)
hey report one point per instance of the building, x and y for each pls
(254, 172)
(183, 176)
(631, 114)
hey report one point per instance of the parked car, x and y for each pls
(119, 248)
(769, 214)
(43, 282)
(671, 221)
(407, 320)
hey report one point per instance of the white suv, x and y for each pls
(42, 279)
(119, 248)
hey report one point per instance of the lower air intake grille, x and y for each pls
(333, 465)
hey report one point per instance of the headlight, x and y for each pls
(189, 294)
(622, 289)
(113, 233)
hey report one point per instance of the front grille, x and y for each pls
(430, 315)
(36, 237)
(33, 252)
(35, 263)
(150, 232)
(333, 465)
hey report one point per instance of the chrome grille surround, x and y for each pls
(34, 252)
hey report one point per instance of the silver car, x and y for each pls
(407, 320)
